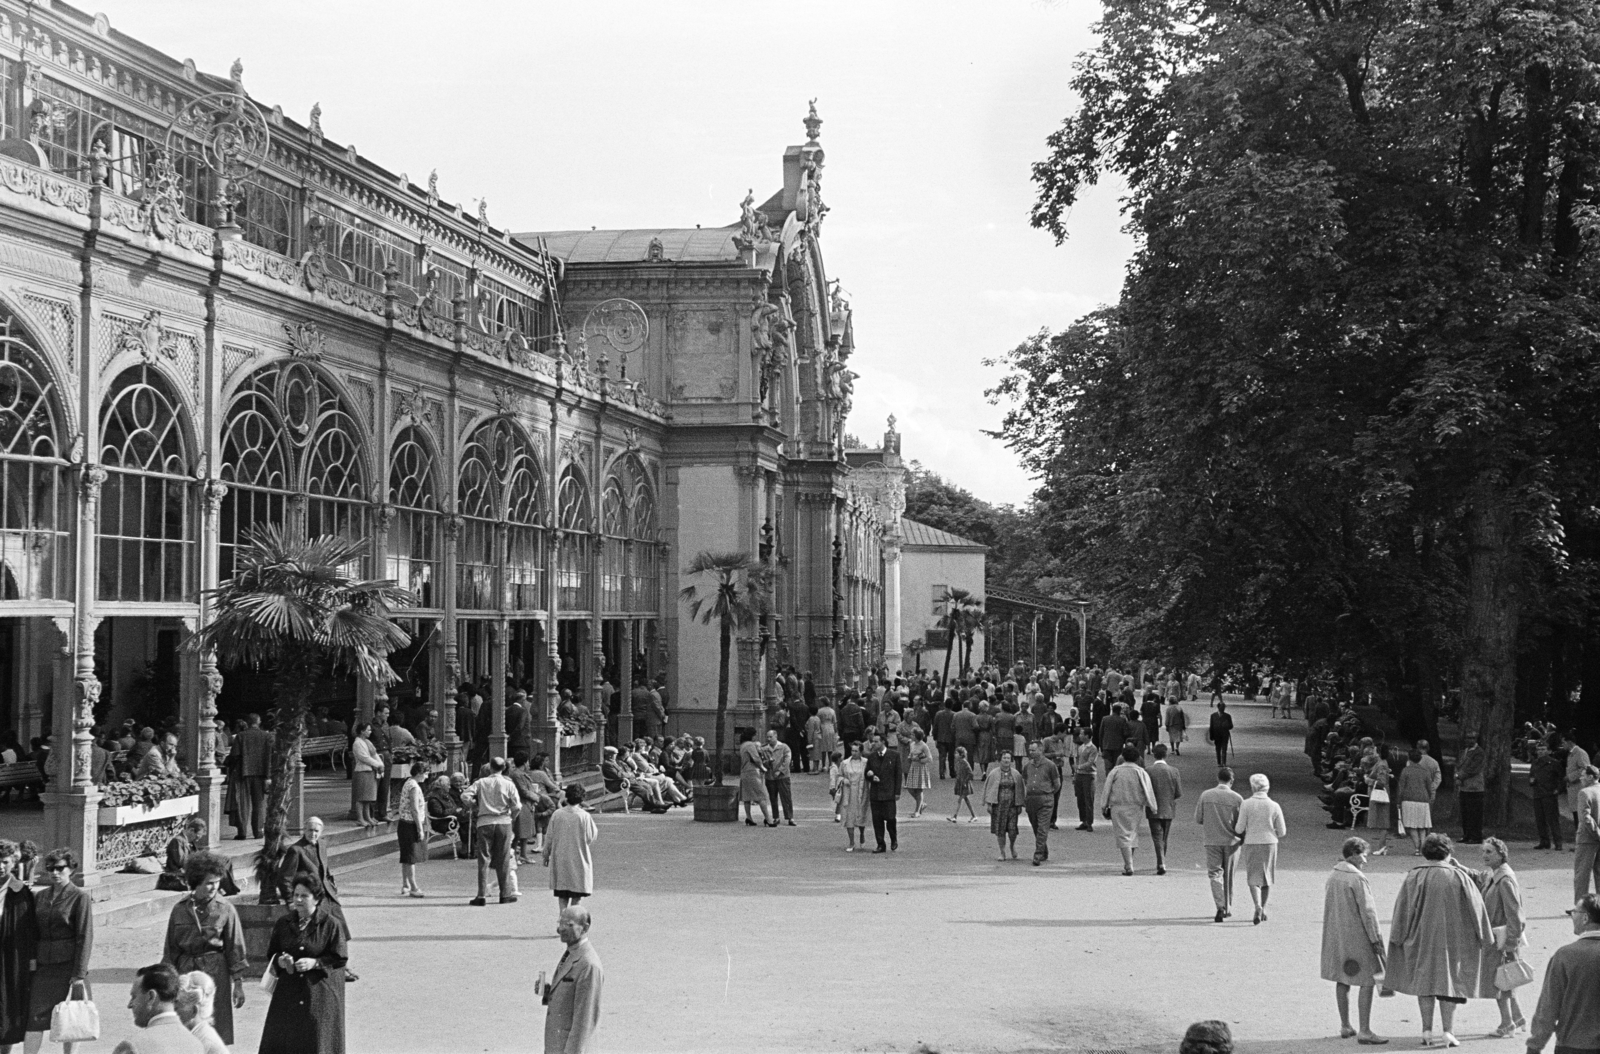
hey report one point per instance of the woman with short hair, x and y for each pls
(851, 798)
(204, 933)
(1502, 899)
(753, 779)
(65, 915)
(1260, 823)
(1415, 794)
(1352, 942)
(368, 770)
(1437, 938)
(1126, 795)
(1003, 792)
(19, 941)
(567, 849)
(412, 830)
(306, 959)
(918, 763)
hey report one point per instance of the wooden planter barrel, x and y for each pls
(716, 804)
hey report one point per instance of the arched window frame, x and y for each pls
(37, 496)
(575, 522)
(412, 556)
(500, 484)
(146, 531)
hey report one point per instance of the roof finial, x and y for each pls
(236, 74)
(813, 123)
(891, 424)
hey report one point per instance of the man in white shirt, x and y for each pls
(152, 1000)
(496, 803)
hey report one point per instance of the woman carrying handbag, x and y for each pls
(1503, 969)
(65, 916)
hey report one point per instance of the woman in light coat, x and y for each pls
(1003, 792)
(567, 845)
(1260, 824)
(1502, 898)
(1352, 943)
(369, 769)
(1437, 934)
(1125, 796)
(852, 796)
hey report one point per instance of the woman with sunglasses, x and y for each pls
(65, 915)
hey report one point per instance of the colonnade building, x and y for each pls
(213, 317)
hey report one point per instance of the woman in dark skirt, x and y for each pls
(19, 941)
(66, 939)
(204, 933)
(306, 957)
(413, 843)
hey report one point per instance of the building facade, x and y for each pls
(214, 319)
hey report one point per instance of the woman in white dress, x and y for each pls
(853, 796)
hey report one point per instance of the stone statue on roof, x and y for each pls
(316, 120)
(753, 226)
(236, 74)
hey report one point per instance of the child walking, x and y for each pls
(963, 786)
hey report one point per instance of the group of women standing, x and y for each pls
(1454, 935)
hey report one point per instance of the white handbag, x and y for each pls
(75, 1019)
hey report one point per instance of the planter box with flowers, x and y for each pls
(152, 798)
(578, 726)
(433, 754)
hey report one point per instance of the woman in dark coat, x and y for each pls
(19, 941)
(307, 957)
(66, 940)
(204, 933)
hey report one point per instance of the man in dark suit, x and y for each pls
(883, 777)
(383, 743)
(519, 725)
(852, 723)
(798, 716)
(1114, 733)
(944, 736)
(255, 752)
(308, 856)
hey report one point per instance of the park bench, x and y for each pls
(22, 775)
(330, 747)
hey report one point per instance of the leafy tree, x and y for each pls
(293, 607)
(1350, 386)
(733, 605)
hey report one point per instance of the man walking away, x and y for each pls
(1217, 811)
(778, 782)
(1085, 758)
(1041, 782)
(883, 777)
(572, 995)
(1220, 732)
(1168, 785)
(496, 803)
(1471, 785)
(944, 737)
(255, 748)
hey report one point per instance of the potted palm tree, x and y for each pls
(730, 595)
(293, 607)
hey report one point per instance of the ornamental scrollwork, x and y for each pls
(306, 341)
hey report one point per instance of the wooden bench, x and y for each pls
(330, 747)
(21, 774)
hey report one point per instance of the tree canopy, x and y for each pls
(1344, 412)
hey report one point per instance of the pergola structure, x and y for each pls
(1039, 618)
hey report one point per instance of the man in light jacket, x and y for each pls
(572, 995)
(1217, 812)
(496, 803)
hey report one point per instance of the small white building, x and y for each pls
(931, 562)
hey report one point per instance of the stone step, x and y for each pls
(121, 899)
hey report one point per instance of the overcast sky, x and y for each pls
(662, 114)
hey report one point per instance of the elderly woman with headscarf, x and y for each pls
(1352, 943)
(1437, 937)
(1125, 796)
(1260, 824)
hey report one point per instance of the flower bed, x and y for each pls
(583, 739)
(148, 792)
(429, 752)
(122, 815)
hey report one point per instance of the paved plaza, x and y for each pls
(728, 938)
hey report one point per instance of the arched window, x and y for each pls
(575, 520)
(36, 505)
(413, 551)
(613, 544)
(499, 481)
(643, 563)
(146, 529)
(290, 435)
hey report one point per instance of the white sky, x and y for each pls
(603, 113)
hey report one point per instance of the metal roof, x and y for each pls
(1035, 601)
(921, 536)
(678, 245)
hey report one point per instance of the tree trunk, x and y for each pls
(951, 642)
(1489, 666)
(296, 679)
(724, 647)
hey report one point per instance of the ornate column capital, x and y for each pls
(213, 491)
(384, 515)
(93, 478)
(452, 529)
